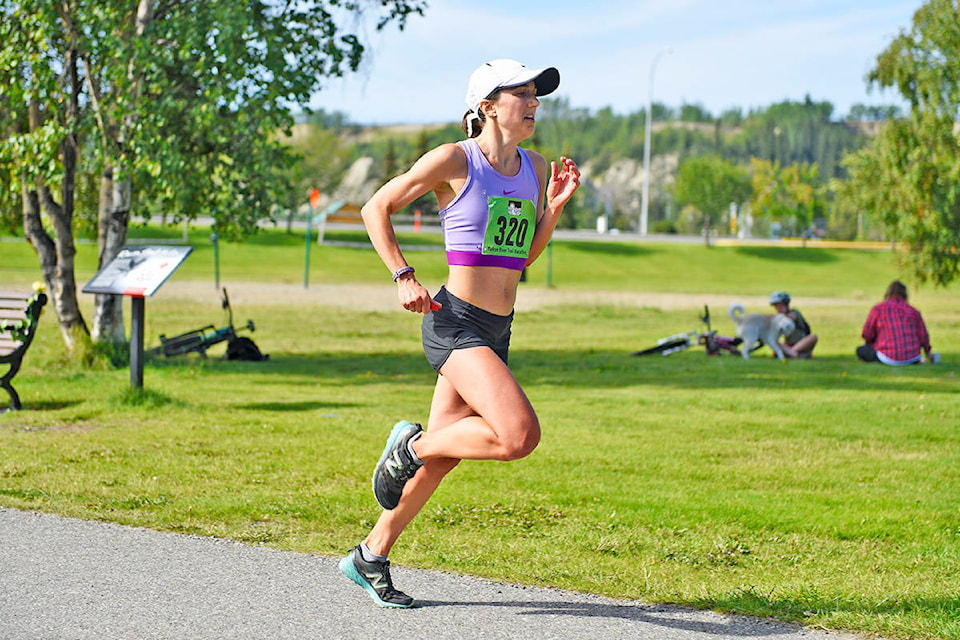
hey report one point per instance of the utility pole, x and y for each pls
(645, 199)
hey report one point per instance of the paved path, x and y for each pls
(66, 579)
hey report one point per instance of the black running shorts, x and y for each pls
(461, 325)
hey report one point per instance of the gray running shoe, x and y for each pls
(375, 578)
(396, 465)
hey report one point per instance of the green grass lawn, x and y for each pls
(823, 492)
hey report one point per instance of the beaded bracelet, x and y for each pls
(401, 271)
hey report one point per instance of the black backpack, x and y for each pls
(244, 349)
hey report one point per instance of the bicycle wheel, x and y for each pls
(666, 346)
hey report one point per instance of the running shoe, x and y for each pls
(396, 465)
(375, 578)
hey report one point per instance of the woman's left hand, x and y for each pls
(564, 181)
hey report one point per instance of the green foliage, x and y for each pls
(845, 221)
(665, 226)
(20, 329)
(224, 88)
(909, 176)
(427, 203)
(321, 157)
(874, 113)
(799, 133)
(790, 194)
(710, 184)
(789, 133)
(173, 107)
(390, 161)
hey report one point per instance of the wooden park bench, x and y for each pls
(19, 315)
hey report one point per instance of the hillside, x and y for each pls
(609, 149)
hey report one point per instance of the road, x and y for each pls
(67, 579)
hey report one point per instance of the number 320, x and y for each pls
(511, 231)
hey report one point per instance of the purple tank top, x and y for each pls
(491, 222)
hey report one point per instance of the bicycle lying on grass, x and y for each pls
(199, 340)
(713, 343)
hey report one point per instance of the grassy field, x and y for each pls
(823, 492)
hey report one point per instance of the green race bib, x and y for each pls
(510, 226)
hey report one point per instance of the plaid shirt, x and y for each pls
(896, 330)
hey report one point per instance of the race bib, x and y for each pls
(510, 227)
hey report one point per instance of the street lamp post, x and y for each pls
(645, 199)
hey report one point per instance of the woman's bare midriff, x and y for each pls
(493, 289)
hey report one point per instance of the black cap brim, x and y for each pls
(547, 82)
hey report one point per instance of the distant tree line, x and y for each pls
(797, 145)
(786, 132)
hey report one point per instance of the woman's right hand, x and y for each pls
(414, 296)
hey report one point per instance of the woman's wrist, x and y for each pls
(402, 271)
(554, 212)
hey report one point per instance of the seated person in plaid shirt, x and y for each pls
(894, 332)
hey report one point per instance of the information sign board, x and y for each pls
(138, 271)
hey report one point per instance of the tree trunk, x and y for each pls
(56, 264)
(56, 254)
(116, 195)
(114, 215)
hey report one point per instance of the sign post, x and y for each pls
(137, 272)
(215, 240)
(314, 203)
(136, 342)
(550, 263)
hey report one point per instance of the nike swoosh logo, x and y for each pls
(510, 192)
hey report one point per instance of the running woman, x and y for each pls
(498, 209)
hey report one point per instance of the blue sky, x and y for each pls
(739, 53)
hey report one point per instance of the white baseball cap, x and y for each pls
(504, 73)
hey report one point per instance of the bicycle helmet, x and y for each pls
(779, 296)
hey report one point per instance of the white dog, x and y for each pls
(757, 326)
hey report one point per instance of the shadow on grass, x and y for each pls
(609, 248)
(695, 370)
(779, 254)
(598, 369)
(295, 406)
(45, 405)
(755, 604)
(143, 397)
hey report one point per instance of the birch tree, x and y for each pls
(174, 104)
